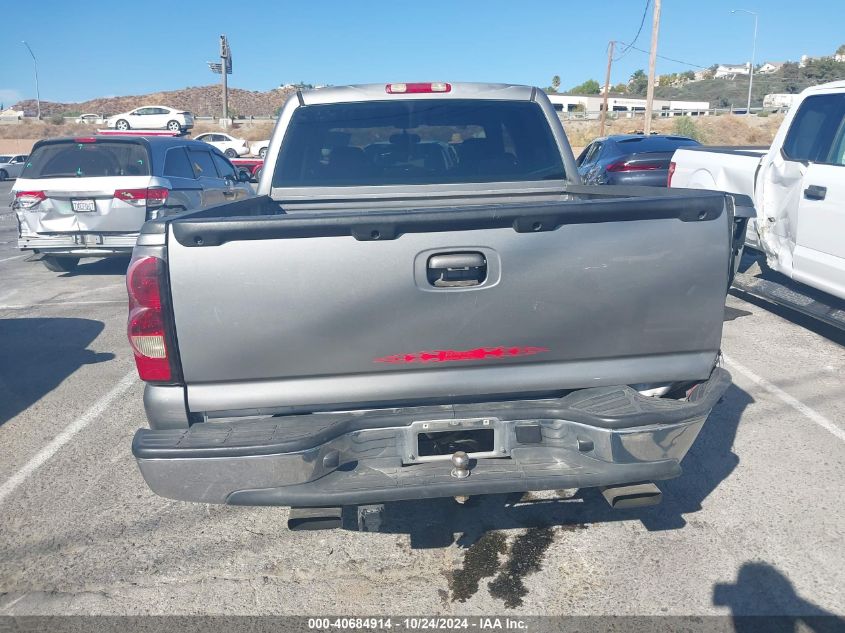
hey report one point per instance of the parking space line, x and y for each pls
(24, 306)
(66, 435)
(793, 402)
(8, 259)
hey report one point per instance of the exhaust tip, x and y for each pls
(632, 495)
(301, 519)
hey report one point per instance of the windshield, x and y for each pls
(87, 160)
(5, 159)
(417, 143)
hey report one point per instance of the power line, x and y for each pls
(670, 59)
(639, 30)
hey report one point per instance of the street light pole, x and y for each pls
(37, 92)
(753, 54)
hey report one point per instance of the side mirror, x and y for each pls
(244, 176)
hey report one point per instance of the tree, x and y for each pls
(619, 88)
(589, 87)
(666, 80)
(792, 78)
(841, 50)
(638, 84)
(556, 82)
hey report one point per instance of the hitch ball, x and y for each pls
(460, 461)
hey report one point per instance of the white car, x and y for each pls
(229, 145)
(259, 148)
(11, 165)
(91, 119)
(152, 118)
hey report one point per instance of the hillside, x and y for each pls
(723, 93)
(201, 100)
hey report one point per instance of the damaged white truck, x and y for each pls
(798, 189)
(423, 301)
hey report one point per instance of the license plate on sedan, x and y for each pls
(83, 206)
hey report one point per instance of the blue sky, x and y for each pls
(91, 49)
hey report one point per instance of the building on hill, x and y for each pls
(10, 114)
(730, 71)
(623, 106)
(770, 67)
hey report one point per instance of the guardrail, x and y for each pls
(595, 115)
(591, 115)
(241, 119)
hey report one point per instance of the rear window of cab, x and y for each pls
(417, 142)
(74, 159)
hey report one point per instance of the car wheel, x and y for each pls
(257, 174)
(174, 126)
(231, 153)
(122, 125)
(60, 264)
(3, 174)
(262, 153)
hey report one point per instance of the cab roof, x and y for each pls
(379, 92)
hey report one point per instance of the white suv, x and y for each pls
(152, 118)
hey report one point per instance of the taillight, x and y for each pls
(151, 198)
(146, 320)
(623, 166)
(29, 199)
(671, 173)
(437, 86)
(85, 139)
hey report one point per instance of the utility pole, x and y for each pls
(606, 86)
(652, 59)
(37, 92)
(753, 54)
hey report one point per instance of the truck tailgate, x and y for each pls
(341, 310)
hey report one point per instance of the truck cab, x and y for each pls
(797, 184)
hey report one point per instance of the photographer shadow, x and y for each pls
(763, 600)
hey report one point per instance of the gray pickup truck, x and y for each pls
(423, 301)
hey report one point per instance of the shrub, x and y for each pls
(685, 126)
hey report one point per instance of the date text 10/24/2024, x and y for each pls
(417, 624)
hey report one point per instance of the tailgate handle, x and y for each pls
(815, 192)
(457, 270)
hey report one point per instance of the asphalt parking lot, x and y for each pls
(754, 526)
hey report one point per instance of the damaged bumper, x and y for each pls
(80, 244)
(591, 437)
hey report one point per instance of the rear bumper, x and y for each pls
(591, 437)
(80, 244)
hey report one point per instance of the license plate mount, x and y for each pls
(83, 205)
(480, 438)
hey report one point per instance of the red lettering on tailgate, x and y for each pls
(451, 355)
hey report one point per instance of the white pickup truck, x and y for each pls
(798, 188)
